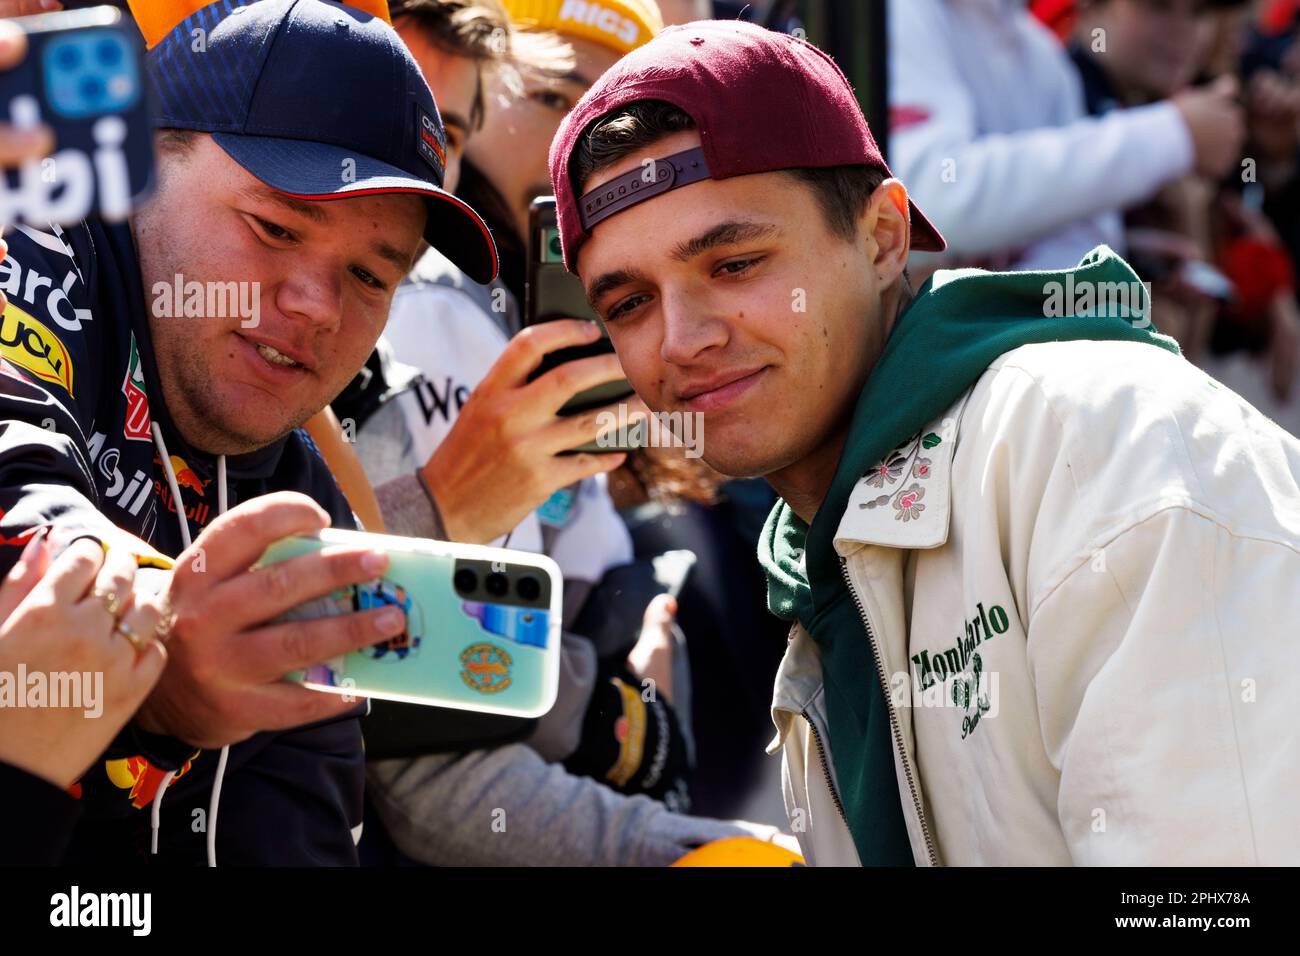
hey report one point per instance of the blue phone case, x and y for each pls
(83, 76)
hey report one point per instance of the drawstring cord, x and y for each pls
(214, 802)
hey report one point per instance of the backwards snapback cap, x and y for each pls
(761, 101)
(319, 101)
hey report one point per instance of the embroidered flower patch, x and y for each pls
(905, 458)
(889, 470)
(907, 504)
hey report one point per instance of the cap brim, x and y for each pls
(925, 237)
(316, 172)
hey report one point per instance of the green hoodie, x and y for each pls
(960, 322)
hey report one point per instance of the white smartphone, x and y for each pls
(483, 625)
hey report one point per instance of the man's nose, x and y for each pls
(312, 293)
(690, 327)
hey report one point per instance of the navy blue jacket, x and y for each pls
(78, 391)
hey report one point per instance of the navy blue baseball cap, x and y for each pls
(319, 101)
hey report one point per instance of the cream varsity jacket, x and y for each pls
(1084, 607)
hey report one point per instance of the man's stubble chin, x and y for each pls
(199, 407)
(745, 459)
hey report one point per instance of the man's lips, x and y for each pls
(265, 367)
(716, 393)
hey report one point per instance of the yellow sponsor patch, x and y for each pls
(30, 344)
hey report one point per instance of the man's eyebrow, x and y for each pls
(455, 119)
(570, 76)
(312, 211)
(308, 210)
(724, 234)
(402, 260)
(612, 280)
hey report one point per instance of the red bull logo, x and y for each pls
(198, 513)
(140, 777)
(185, 476)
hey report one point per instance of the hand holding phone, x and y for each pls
(227, 653)
(506, 453)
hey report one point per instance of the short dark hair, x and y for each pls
(179, 142)
(477, 30)
(842, 191)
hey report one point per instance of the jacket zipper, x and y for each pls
(893, 716)
(826, 769)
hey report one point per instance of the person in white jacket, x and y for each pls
(988, 128)
(1043, 572)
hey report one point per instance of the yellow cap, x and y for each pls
(621, 25)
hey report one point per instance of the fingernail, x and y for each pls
(390, 621)
(33, 548)
(34, 545)
(374, 562)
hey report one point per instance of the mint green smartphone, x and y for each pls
(483, 625)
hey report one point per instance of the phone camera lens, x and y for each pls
(497, 584)
(465, 581)
(108, 53)
(69, 58)
(92, 88)
(528, 588)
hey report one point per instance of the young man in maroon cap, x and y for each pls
(1034, 558)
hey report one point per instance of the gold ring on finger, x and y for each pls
(109, 598)
(126, 631)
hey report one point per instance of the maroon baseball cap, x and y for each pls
(761, 101)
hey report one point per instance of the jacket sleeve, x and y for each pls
(1162, 668)
(508, 807)
(39, 819)
(990, 192)
(53, 355)
(51, 350)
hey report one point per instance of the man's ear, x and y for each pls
(886, 227)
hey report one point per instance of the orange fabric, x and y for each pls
(157, 18)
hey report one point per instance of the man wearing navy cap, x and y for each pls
(300, 167)
(1035, 560)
